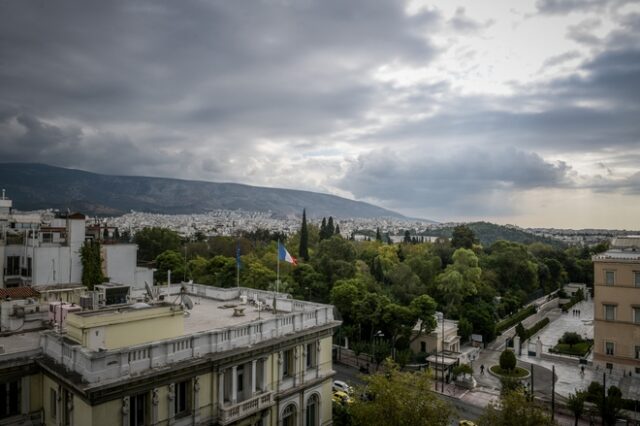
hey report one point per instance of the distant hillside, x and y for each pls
(489, 233)
(37, 186)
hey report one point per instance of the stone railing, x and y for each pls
(230, 413)
(97, 366)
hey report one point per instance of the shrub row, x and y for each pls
(515, 318)
(533, 330)
(577, 298)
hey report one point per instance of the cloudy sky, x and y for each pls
(514, 111)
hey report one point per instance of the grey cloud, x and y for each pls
(182, 73)
(449, 184)
(561, 59)
(461, 22)
(583, 32)
(555, 7)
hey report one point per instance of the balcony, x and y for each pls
(230, 413)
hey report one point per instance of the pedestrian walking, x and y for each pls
(482, 369)
(582, 370)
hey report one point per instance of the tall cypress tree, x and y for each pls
(304, 237)
(378, 236)
(337, 229)
(330, 228)
(323, 229)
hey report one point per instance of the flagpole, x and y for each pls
(277, 277)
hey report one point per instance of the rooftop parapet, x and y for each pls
(209, 328)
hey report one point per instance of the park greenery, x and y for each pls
(381, 290)
(515, 409)
(516, 318)
(571, 343)
(575, 299)
(394, 397)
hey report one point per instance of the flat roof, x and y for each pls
(616, 254)
(210, 314)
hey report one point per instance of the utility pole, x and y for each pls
(443, 351)
(553, 392)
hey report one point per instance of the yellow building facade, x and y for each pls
(617, 307)
(228, 361)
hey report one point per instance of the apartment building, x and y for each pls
(617, 307)
(43, 249)
(201, 355)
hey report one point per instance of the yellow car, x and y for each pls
(466, 423)
(341, 397)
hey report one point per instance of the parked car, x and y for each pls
(341, 397)
(339, 385)
(466, 423)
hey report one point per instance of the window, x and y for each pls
(240, 382)
(423, 347)
(609, 277)
(608, 348)
(181, 401)
(289, 415)
(13, 265)
(637, 352)
(9, 399)
(53, 403)
(636, 315)
(312, 411)
(636, 279)
(137, 409)
(287, 363)
(311, 355)
(610, 312)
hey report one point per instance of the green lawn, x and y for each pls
(517, 373)
(579, 349)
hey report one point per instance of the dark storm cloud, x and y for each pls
(561, 7)
(182, 72)
(453, 182)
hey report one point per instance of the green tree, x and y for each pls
(463, 237)
(515, 410)
(323, 229)
(154, 241)
(424, 310)
(407, 237)
(507, 360)
(396, 398)
(331, 230)
(575, 403)
(170, 260)
(459, 280)
(571, 338)
(91, 258)
(378, 235)
(304, 237)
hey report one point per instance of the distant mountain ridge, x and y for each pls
(39, 186)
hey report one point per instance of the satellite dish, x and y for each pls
(149, 290)
(186, 301)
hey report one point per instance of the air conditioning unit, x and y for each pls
(86, 302)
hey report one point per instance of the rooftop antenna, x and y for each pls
(3, 194)
(185, 300)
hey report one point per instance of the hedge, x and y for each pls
(515, 318)
(577, 298)
(537, 327)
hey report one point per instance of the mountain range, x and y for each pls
(38, 186)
